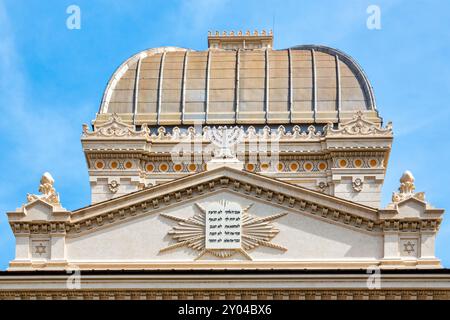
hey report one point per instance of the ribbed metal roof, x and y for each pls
(175, 86)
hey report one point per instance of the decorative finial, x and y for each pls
(85, 128)
(406, 189)
(48, 193)
(407, 183)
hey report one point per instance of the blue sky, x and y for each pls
(52, 79)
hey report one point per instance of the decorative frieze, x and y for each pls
(249, 133)
(149, 155)
(229, 294)
(117, 128)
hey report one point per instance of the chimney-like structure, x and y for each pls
(240, 40)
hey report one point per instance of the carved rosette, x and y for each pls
(357, 184)
(116, 128)
(322, 186)
(113, 186)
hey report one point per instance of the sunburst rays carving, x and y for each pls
(256, 231)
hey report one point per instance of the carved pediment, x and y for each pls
(359, 126)
(278, 223)
(38, 210)
(156, 198)
(115, 128)
(406, 203)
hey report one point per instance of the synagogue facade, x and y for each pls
(238, 172)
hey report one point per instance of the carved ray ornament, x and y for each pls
(255, 232)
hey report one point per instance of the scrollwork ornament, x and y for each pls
(48, 193)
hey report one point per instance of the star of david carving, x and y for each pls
(408, 247)
(40, 249)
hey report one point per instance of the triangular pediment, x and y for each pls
(414, 207)
(249, 184)
(38, 210)
(277, 221)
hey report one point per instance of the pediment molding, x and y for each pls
(82, 226)
(252, 185)
(164, 196)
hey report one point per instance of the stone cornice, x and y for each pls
(101, 154)
(156, 198)
(358, 128)
(228, 294)
(291, 197)
(268, 285)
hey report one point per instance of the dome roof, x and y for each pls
(175, 86)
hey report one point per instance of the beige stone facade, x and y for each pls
(225, 173)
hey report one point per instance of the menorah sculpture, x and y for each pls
(224, 139)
